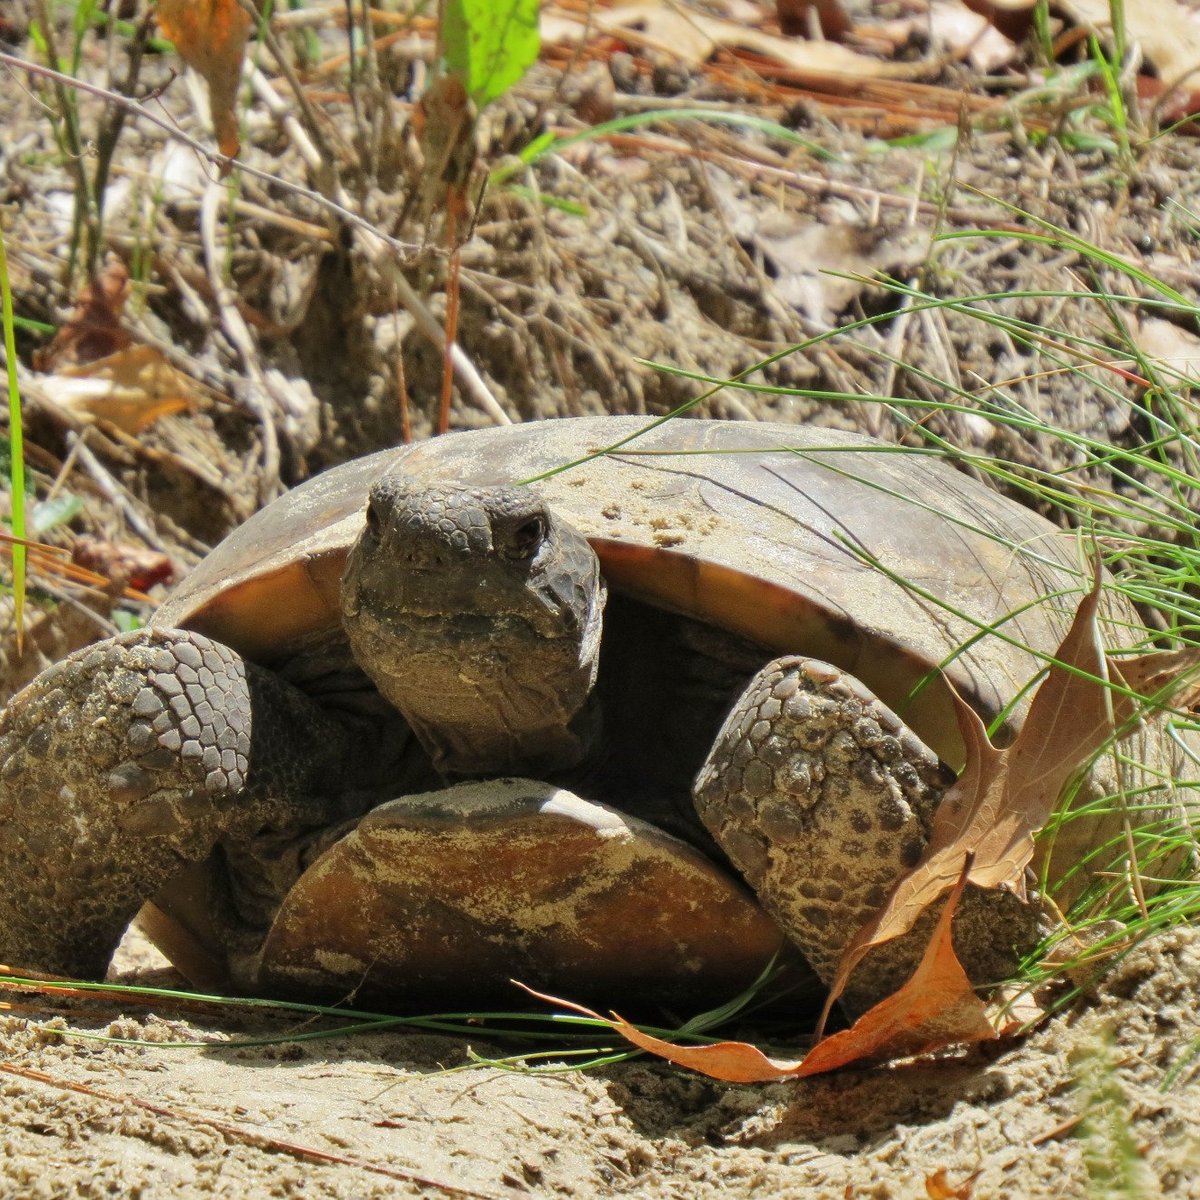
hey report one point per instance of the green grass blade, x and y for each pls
(15, 440)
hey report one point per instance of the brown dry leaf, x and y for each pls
(1003, 797)
(939, 1187)
(210, 36)
(1167, 31)
(692, 37)
(1168, 677)
(131, 389)
(734, 1062)
(130, 565)
(94, 329)
(936, 1007)
(1012, 1010)
(444, 120)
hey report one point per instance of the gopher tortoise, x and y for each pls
(420, 727)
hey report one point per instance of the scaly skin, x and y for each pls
(128, 760)
(822, 798)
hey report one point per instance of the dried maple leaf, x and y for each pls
(210, 36)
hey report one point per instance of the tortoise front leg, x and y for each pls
(822, 797)
(125, 762)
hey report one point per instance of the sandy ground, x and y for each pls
(378, 1116)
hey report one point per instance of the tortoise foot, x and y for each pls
(822, 797)
(118, 766)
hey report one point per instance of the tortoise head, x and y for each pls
(477, 613)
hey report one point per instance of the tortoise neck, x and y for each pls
(481, 703)
(482, 750)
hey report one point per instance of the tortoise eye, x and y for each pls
(523, 541)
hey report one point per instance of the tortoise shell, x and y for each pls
(887, 563)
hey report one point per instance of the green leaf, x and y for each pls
(126, 621)
(489, 44)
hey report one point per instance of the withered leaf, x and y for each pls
(210, 36)
(444, 119)
(1164, 30)
(1003, 797)
(137, 567)
(131, 389)
(693, 37)
(94, 329)
(1168, 677)
(937, 1006)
